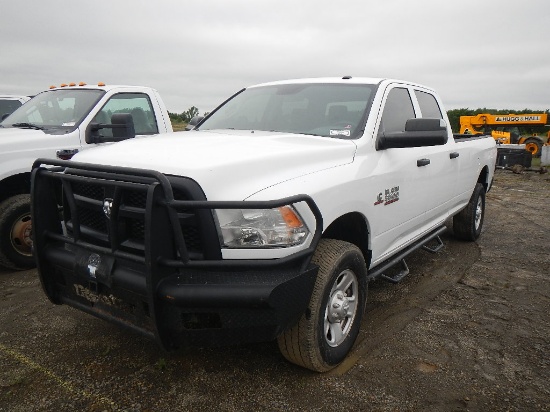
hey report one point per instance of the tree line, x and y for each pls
(184, 117)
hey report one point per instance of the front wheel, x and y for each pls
(468, 222)
(16, 233)
(327, 331)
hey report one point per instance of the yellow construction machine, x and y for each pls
(504, 128)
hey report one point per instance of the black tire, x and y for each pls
(534, 146)
(467, 224)
(321, 339)
(16, 233)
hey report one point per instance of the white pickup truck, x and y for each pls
(9, 103)
(58, 123)
(266, 221)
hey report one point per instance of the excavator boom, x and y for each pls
(495, 120)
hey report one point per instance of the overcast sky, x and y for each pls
(476, 53)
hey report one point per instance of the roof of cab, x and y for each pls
(341, 80)
(99, 86)
(328, 80)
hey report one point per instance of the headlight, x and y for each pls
(257, 228)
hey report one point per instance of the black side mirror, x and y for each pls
(193, 122)
(4, 116)
(122, 125)
(418, 132)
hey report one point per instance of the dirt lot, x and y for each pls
(469, 329)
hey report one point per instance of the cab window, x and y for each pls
(397, 110)
(8, 106)
(428, 105)
(136, 104)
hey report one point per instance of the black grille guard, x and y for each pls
(159, 196)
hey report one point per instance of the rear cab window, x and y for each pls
(428, 105)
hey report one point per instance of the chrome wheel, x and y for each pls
(341, 308)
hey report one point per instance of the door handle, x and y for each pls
(422, 162)
(454, 155)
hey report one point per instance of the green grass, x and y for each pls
(178, 126)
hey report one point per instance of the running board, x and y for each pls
(378, 271)
(435, 248)
(399, 276)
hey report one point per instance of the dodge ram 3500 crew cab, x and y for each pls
(60, 122)
(267, 220)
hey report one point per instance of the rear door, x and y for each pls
(444, 161)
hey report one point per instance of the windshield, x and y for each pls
(55, 110)
(332, 110)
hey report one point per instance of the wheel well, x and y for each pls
(351, 228)
(484, 178)
(15, 185)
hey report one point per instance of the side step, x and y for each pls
(378, 271)
(399, 276)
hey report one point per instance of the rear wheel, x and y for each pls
(468, 222)
(534, 146)
(327, 331)
(16, 233)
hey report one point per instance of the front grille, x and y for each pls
(87, 190)
(93, 219)
(135, 199)
(136, 230)
(125, 229)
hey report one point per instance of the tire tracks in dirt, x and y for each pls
(394, 307)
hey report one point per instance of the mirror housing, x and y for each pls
(122, 125)
(418, 133)
(193, 122)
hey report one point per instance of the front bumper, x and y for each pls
(152, 281)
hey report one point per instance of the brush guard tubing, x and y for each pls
(119, 176)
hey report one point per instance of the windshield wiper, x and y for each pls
(28, 125)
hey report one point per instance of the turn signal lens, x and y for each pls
(290, 217)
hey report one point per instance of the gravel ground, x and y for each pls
(468, 330)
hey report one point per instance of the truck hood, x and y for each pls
(19, 148)
(14, 139)
(228, 165)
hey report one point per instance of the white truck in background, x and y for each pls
(58, 123)
(9, 103)
(266, 221)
